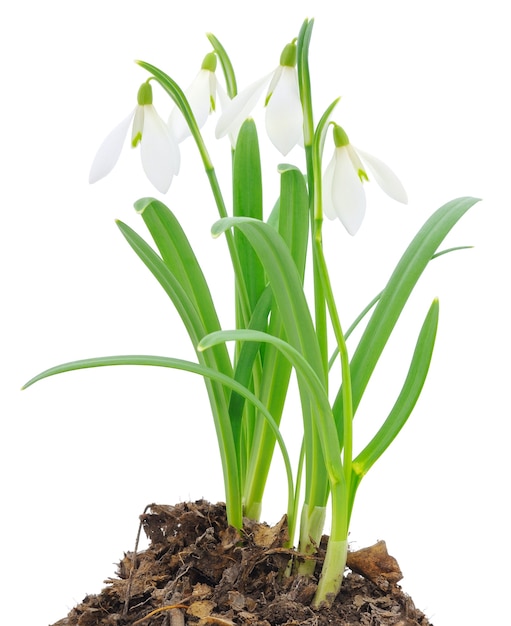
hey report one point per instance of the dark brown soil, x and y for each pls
(198, 570)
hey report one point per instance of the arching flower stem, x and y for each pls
(177, 94)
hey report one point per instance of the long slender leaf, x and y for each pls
(369, 306)
(248, 202)
(293, 226)
(177, 254)
(284, 280)
(181, 300)
(313, 382)
(189, 366)
(396, 293)
(287, 290)
(245, 363)
(405, 402)
(302, 58)
(218, 395)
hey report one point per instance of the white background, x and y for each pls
(426, 88)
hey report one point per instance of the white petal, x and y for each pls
(328, 176)
(357, 163)
(138, 126)
(239, 108)
(385, 177)
(199, 95)
(343, 193)
(284, 116)
(110, 150)
(159, 150)
(224, 103)
(274, 82)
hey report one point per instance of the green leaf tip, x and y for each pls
(286, 167)
(142, 204)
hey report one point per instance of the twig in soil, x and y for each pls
(170, 607)
(134, 563)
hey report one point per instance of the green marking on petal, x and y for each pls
(136, 140)
(362, 174)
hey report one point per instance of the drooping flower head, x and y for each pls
(284, 116)
(343, 192)
(158, 148)
(201, 95)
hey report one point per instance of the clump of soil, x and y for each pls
(200, 571)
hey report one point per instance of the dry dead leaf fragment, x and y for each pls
(375, 564)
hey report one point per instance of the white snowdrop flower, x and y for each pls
(343, 192)
(158, 148)
(201, 95)
(284, 115)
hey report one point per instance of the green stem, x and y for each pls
(316, 473)
(177, 94)
(343, 353)
(335, 559)
(312, 522)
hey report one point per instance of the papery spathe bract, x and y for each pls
(284, 116)
(201, 95)
(159, 150)
(343, 192)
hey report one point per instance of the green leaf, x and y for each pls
(369, 306)
(245, 362)
(248, 202)
(299, 330)
(285, 282)
(304, 370)
(184, 305)
(395, 295)
(293, 226)
(178, 256)
(405, 402)
(218, 394)
(302, 59)
(180, 364)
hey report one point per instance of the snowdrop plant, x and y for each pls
(278, 327)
